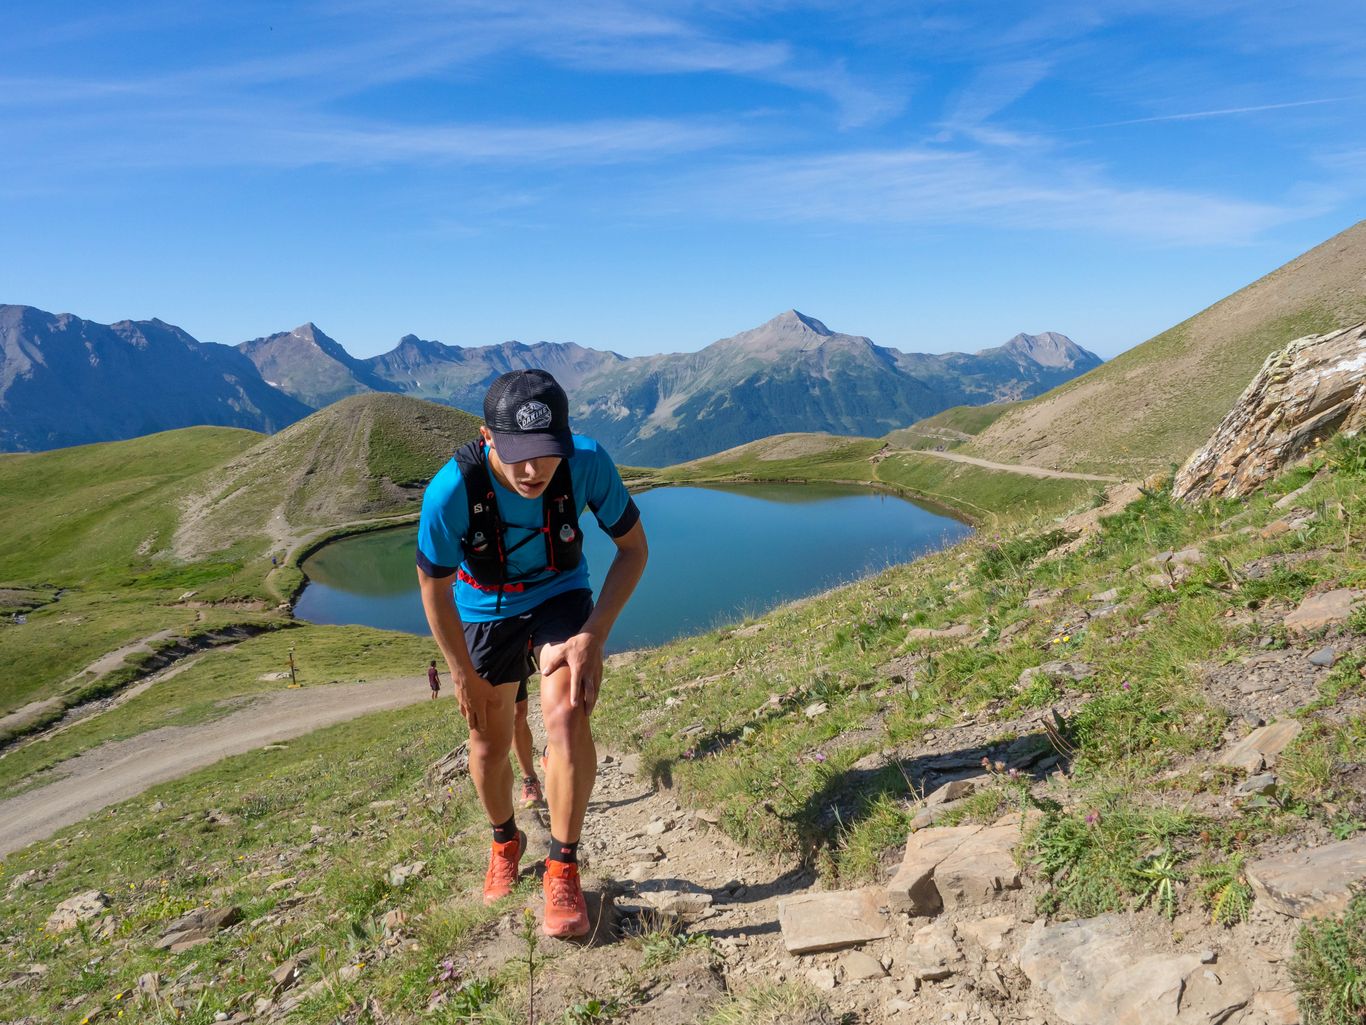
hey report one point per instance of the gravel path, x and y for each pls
(118, 770)
(1020, 468)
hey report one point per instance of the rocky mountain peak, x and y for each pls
(1048, 349)
(788, 330)
(792, 320)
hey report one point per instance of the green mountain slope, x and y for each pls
(1154, 404)
(88, 532)
(364, 457)
(108, 540)
(974, 493)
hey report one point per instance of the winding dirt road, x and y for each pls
(1020, 468)
(118, 770)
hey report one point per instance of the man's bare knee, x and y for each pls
(562, 723)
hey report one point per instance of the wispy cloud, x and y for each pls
(1197, 115)
(954, 188)
(991, 91)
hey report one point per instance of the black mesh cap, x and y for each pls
(528, 413)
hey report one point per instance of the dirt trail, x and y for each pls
(122, 769)
(1020, 468)
(21, 718)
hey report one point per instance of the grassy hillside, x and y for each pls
(810, 733)
(91, 527)
(103, 513)
(111, 537)
(1153, 405)
(951, 427)
(361, 458)
(970, 492)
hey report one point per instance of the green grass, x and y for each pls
(1329, 968)
(104, 514)
(774, 1003)
(959, 419)
(158, 857)
(783, 781)
(101, 526)
(210, 688)
(970, 492)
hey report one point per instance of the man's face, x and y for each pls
(528, 478)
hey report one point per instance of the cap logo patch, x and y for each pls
(533, 415)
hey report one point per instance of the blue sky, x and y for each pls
(650, 177)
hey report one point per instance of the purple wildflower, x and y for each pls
(1092, 817)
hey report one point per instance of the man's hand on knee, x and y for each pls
(474, 694)
(582, 655)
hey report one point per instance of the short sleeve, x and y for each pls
(607, 495)
(444, 520)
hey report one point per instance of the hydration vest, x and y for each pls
(486, 553)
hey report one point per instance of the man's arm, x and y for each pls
(472, 690)
(582, 653)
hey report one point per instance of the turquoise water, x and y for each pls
(716, 555)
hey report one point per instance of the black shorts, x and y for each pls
(503, 649)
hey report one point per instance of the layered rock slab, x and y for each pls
(1313, 387)
(1097, 970)
(956, 866)
(1315, 883)
(813, 922)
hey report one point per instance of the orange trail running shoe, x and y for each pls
(502, 874)
(566, 912)
(532, 797)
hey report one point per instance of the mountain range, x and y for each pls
(67, 381)
(792, 373)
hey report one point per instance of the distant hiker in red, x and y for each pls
(502, 520)
(434, 679)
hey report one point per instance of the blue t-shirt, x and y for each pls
(445, 519)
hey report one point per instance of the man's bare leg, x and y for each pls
(572, 760)
(523, 744)
(489, 766)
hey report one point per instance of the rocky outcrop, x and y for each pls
(813, 922)
(1097, 970)
(1314, 883)
(1312, 388)
(956, 866)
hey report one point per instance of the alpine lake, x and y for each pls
(717, 555)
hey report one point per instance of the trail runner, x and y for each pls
(501, 518)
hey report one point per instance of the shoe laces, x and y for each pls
(564, 891)
(503, 865)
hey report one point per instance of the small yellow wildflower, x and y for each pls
(1066, 638)
(118, 996)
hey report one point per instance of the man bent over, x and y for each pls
(502, 517)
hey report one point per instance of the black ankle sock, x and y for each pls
(506, 832)
(566, 852)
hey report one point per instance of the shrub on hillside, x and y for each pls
(1329, 968)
